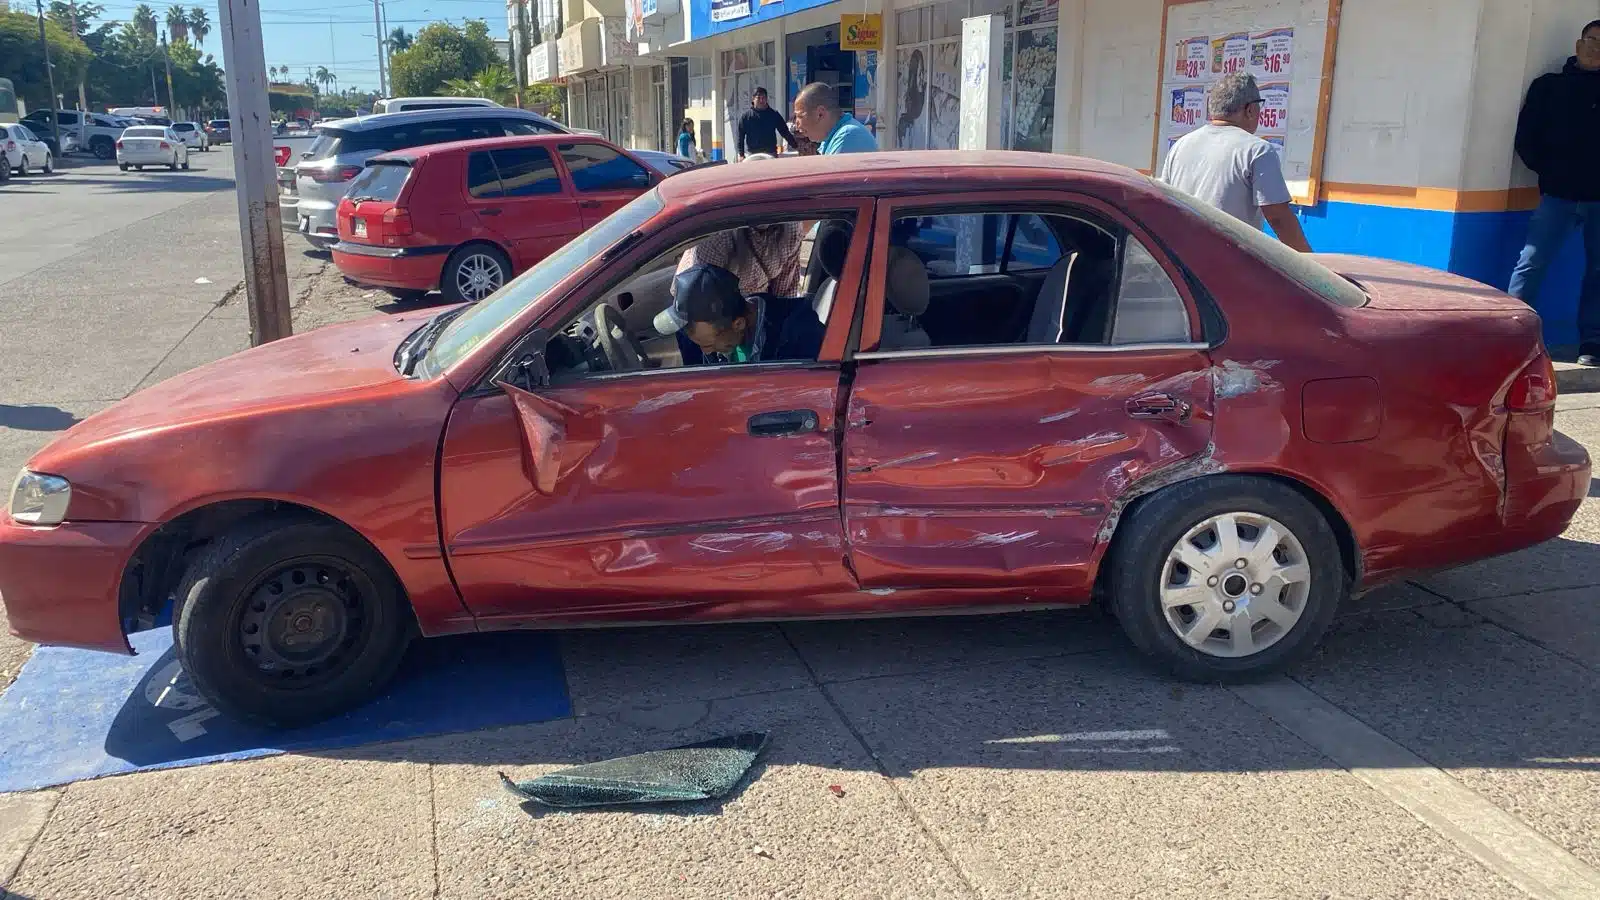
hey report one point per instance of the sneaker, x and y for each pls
(1589, 355)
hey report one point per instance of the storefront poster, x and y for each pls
(861, 32)
(728, 10)
(866, 92)
(1039, 12)
(1271, 54)
(944, 97)
(1187, 108)
(911, 128)
(1274, 107)
(1191, 59)
(1276, 141)
(1229, 54)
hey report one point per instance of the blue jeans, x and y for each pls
(1552, 222)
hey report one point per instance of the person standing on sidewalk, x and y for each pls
(817, 114)
(1224, 164)
(1558, 137)
(761, 126)
(686, 143)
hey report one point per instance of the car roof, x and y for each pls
(917, 171)
(529, 140)
(408, 117)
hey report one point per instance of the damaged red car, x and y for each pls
(1034, 380)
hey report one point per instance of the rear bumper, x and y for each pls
(1546, 480)
(60, 585)
(147, 158)
(414, 268)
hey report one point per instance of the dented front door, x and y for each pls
(1003, 470)
(649, 496)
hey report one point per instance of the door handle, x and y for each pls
(789, 421)
(1160, 406)
(492, 211)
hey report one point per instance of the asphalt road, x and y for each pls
(1445, 744)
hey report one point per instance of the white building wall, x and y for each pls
(1117, 81)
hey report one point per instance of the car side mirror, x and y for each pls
(526, 367)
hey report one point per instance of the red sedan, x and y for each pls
(1004, 380)
(467, 216)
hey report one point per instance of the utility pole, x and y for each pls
(50, 77)
(387, 45)
(266, 274)
(83, 100)
(172, 106)
(519, 50)
(377, 25)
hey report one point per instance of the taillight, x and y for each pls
(1534, 390)
(396, 223)
(280, 155)
(119, 145)
(334, 175)
(165, 145)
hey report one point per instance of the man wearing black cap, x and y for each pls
(717, 324)
(760, 127)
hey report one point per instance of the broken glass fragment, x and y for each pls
(702, 771)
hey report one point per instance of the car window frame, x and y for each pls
(466, 178)
(654, 177)
(1068, 203)
(589, 284)
(567, 191)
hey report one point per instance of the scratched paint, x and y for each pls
(1084, 448)
(1058, 417)
(899, 461)
(751, 542)
(671, 398)
(1119, 381)
(1182, 470)
(1233, 379)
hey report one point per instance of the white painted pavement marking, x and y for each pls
(1488, 833)
(1112, 738)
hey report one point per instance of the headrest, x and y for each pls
(832, 246)
(906, 288)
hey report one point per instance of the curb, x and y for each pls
(1572, 378)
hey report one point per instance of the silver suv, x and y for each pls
(324, 172)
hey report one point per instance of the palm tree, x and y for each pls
(199, 24)
(493, 83)
(399, 40)
(178, 22)
(323, 76)
(144, 19)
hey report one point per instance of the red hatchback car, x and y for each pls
(1035, 381)
(465, 217)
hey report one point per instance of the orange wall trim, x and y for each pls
(1442, 199)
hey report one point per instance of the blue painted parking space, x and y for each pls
(76, 714)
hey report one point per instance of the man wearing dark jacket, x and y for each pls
(760, 127)
(1558, 137)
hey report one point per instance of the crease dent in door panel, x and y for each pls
(544, 429)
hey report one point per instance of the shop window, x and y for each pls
(1006, 278)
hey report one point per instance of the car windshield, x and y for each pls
(1312, 275)
(145, 131)
(485, 317)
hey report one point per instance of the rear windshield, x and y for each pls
(380, 181)
(1312, 275)
(182, 126)
(219, 123)
(145, 131)
(326, 145)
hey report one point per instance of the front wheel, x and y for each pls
(49, 164)
(473, 273)
(287, 621)
(122, 166)
(1226, 578)
(22, 166)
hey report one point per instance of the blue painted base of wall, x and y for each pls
(1482, 246)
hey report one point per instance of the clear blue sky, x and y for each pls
(333, 33)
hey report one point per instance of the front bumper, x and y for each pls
(412, 268)
(60, 585)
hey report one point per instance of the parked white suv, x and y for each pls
(405, 104)
(193, 135)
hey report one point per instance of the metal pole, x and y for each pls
(519, 52)
(166, 58)
(384, 58)
(83, 100)
(50, 78)
(266, 273)
(377, 25)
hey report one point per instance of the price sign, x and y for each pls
(1230, 54)
(1188, 108)
(1190, 59)
(1271, 54)
(1275, 107)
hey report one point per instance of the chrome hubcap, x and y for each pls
(478, 276)
(1235, 584)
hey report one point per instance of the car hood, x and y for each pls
(307, 369)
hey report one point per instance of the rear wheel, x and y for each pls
(286, 621)
(103, 148)
(474, 272)
(122, 166)
(1226, 578)
(5, 168)
(22, 166)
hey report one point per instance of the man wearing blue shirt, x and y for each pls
(817, 115)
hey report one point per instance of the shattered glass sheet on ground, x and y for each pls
(703, 771)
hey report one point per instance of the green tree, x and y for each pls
(177, 23)
(61, 14)
(545, 99)
(22, 61)
(323, 77)
(199, 24)
(440, 52)
(399, 40)
(493, 83)
(144, 19)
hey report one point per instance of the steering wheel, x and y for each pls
(623, 351)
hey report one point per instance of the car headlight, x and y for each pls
(40, 499)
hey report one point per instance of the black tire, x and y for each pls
(5, 169)
(49, 165)
(122, 166)
(139, 166)
(103, 148)
(326, 577)
(1152, 529)
(22, 166)
(470, 255)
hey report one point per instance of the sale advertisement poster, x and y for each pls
(1274, 107)
(1188, 108)
(1230, 54)
(1190, 59)
(1271, 54)
(1276, 141)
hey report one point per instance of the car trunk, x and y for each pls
(1391, 285)
(374, 210)
(142, 145)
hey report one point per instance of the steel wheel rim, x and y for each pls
(478, 276)
(1234, 585)
(304, 622)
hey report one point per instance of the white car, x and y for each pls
(192, 135)
(151, 145)
(21, 150)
